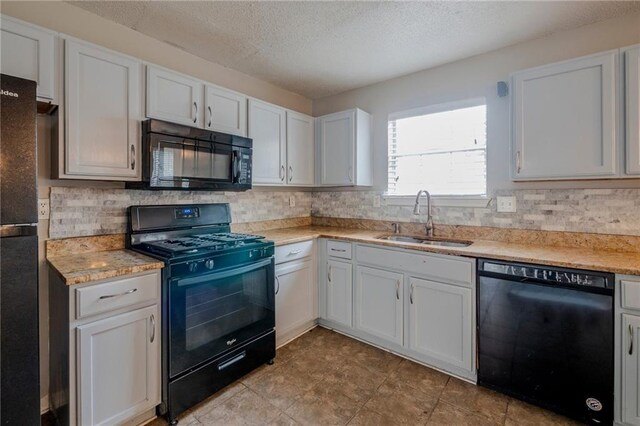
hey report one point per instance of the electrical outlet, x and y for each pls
(43, 208)
(376, 201)
(292, 201)
(506, 204)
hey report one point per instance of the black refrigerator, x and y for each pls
(19, 359)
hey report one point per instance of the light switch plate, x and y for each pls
(292, 201)
(376, 201)
(43, 208)
(506, 204)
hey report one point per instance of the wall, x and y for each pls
(477, 77)
(66, 18)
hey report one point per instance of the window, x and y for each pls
(442, 149)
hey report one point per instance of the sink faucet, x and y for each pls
(416, 211)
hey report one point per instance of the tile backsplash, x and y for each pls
(608, 211)
(95, 211)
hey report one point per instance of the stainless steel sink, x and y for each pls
(425, 240)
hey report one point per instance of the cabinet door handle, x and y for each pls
(282, 173)
(133, 157)
(294, 252)
(124, 293)
(153, 328)
(518, 163)
(630, 340)
(350, 174)
(195, 115)
(290, 173)
(329, 274)
(210, 115)
(278, 287)
(411, 294)
(398, 290)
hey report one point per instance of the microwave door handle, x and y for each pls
(236, 165)
(225, 274)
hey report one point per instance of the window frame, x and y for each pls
(440, 200)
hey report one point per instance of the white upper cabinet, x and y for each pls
(379, 302)
(564, 119)
(267, 128)
(225, 111)
(29, 52)
(344, 148)
(300, 149)
(632, 92)
(174, 97)
(102, 113)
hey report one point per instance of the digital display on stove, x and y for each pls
(187, 213)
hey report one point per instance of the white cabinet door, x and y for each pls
(336, 135)
(103, 112)
(300, 149)
(564, 119)
(118, 367)
(174, 97)
(294, 296)
(225, 111)
(632, 72)
(630, 370)
(29, 52)
(379, 302)
(267, 128)
(339, 292)
(440, 321)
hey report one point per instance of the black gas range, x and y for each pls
(217, 295)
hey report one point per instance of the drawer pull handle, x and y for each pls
(630, 340)
(294, 252)
(232, 361)
(153, 328)
(124, 293)
(339, 250)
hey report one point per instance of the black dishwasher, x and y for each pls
(545, 335)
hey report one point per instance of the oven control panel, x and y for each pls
(187, 212)
(211, 263)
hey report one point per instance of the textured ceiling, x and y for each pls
(319, 48)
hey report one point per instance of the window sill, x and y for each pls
(438, 201)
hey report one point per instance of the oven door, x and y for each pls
(189, 163)
(215, 312)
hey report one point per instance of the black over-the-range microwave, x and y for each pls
(182, 157)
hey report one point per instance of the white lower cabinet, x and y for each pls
(294, 297)
(105, 341)
(379, 299)
(439, 321)
(339, 292)
(420, 305)
(118, 362)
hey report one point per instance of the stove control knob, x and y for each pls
(192, 266)
(208, 264)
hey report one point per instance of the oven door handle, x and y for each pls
(224, 274)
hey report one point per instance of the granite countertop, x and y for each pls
(79, 268)
(620, 262)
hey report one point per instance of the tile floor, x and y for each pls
(324, 378)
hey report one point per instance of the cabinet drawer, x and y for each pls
(294, 251)
(95, 299)
(339, 249)
(441, 267)
(630, 294)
